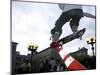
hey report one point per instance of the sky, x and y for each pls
(32, 23)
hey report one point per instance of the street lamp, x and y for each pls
(32, 47)
(91, 41)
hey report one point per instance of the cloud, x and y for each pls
(32, 22)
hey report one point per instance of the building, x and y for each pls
(16, 59)
(81, 52)
(20, 59)
(46, 54)
(49, 53)
(13, 57)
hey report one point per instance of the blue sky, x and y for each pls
(32, 22)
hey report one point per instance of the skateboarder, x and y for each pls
(72, 14)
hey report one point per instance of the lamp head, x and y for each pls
(87, 42)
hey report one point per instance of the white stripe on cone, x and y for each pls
(62, 53)
(68, 61)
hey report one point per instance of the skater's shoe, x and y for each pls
(80, 38)
(78, 34)
(54, 30)
(55, 37)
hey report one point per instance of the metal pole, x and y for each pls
(91, 43)
(31, 61)
(93, 50)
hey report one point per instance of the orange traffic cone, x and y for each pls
(71, 63)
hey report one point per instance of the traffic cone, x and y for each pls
(71, 63)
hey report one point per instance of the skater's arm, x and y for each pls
(89, 15)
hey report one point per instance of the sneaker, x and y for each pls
(80, 38)
(55, 37)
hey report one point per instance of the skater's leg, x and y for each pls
(74, 23)
(64, 17)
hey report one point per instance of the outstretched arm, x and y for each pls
(89, 15)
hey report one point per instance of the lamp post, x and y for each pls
(32, 47)
(91, 41)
